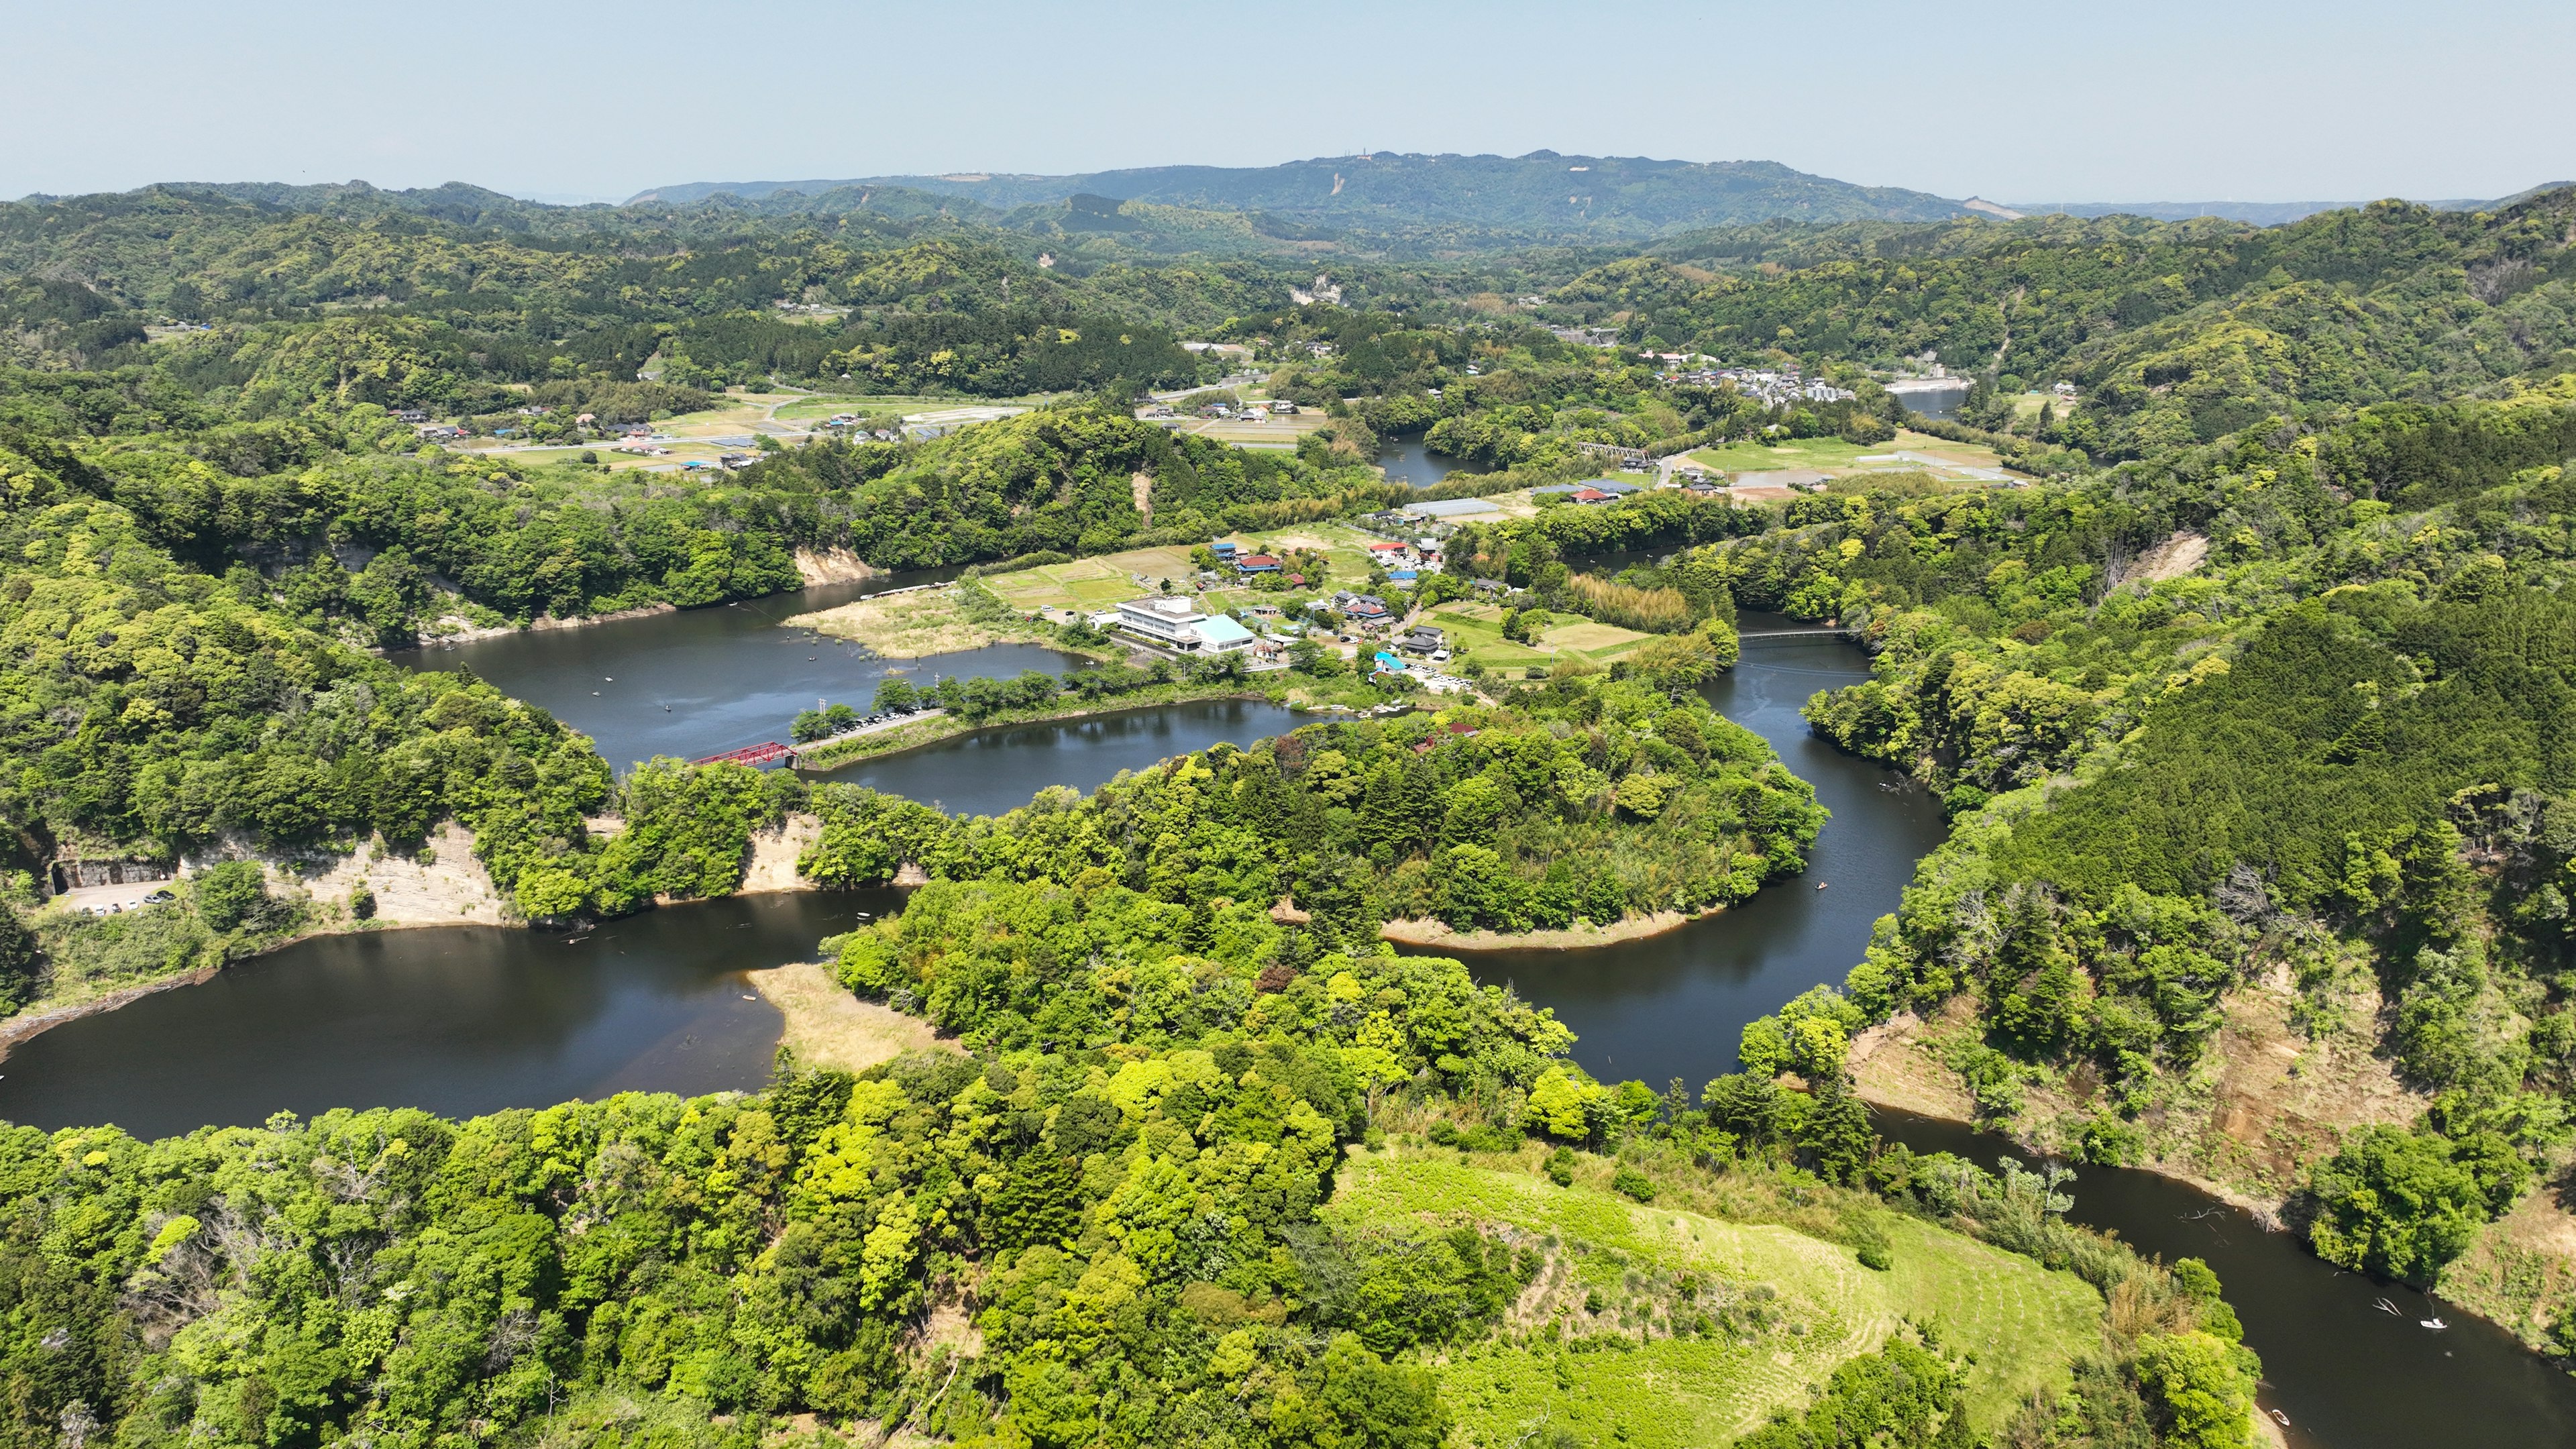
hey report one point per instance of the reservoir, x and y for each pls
(461, 1020)
(1673, 1005)
(1935, 398)
(990, 771)
(1408, 460)
(702, 681)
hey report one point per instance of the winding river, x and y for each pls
(471, 1019)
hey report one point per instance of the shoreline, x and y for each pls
(769, 869)
(2266, 1214)
(1440, 936)
(815, 566)
(542, 624)
(27, 1027)
(826, 1024)
(899, 740)
(1932, 1090)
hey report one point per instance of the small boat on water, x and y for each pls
(1820, 885)
(2435, 1324)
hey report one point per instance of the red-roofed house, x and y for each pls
(1256, 563)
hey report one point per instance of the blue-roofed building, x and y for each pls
(1222, 635)
(1388, 663)
(1222, 549)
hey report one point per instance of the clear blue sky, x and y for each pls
(2182, 101)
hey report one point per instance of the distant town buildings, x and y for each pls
(1783, 387)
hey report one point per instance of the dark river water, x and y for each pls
(470, 1019)
(2348, 1375)
(706, 680)
(991, 771)
(1407, 460)
(1941, 405)
(1673, 1005)
(458, 1019)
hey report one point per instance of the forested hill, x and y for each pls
(2262, 763)
(1602, 197)
(2174, 334)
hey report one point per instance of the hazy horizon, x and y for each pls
(598, 101)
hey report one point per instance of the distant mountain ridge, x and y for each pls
(1542, 191)
(2259, 213)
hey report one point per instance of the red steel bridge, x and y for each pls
(759, 756)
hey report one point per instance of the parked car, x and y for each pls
(159, 898)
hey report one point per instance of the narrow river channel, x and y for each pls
(469, 1019)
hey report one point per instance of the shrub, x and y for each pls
(232, 894)
(1629, 1182)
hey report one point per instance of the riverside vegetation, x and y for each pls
(2331, 746)
(2318, 789)
(1106, 1220)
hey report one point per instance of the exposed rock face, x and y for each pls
(453, 889)
(833, 566)
(770, 860)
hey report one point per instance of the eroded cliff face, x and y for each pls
(2287, 1074)
(833, 566)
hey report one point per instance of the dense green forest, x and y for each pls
(2339, 751)
(1592, 798)
(2176, 333)
(1115, 1201)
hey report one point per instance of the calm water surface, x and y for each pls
(1407, 460)
(991, 771)
(1674, 1005)
(1941, 405)
(705, 680)
(2348, 1375)
(456, 1019)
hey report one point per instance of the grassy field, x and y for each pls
(905, 626)
(1833, 455)
(814, 406)
(1278, 432)
(1799, 1305)
(1476, 632)
(1102, 581)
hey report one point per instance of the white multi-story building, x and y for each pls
(1176, 623)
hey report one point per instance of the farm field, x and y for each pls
(1102, 581)
(1476, 633)
(1797, 1306)
(1835, 456)
(1276, 433)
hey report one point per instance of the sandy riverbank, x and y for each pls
(1440, 936)
(827, 1026)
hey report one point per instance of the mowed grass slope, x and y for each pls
(1590, 1346)
(1833, 455)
